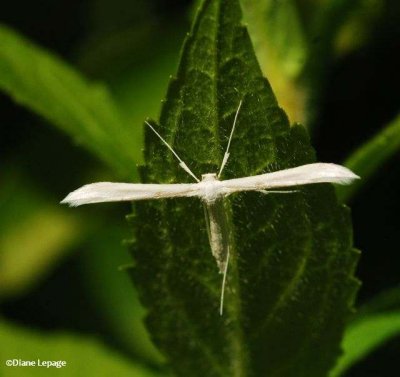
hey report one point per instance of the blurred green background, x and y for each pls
(60, 267)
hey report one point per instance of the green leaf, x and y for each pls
(84, 357)
(35, 235)
(375, 323)
(278, 27)
(290, 283)
(368, 158)
(49, 87)
(280, 43)
(364, 336)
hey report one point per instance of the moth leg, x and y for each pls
(207, 224)
(221, 304)
(225, 270)
(278, 192)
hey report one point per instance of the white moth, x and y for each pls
(212, 191)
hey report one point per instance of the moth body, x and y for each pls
(219, 235)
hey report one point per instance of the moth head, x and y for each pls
(209, 177)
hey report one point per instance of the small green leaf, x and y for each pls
(368, 158)
(84, 357)
(52, 89)
(375, 323)
(290, 283)
(364, 336)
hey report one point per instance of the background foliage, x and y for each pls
(334, 69)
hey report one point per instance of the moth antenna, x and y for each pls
(226, 155)
(221, 304)
(181, 162)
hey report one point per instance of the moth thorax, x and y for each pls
(209, 177)
(210, 185)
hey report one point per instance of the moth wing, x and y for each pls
(301, 175)
(102, 192)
